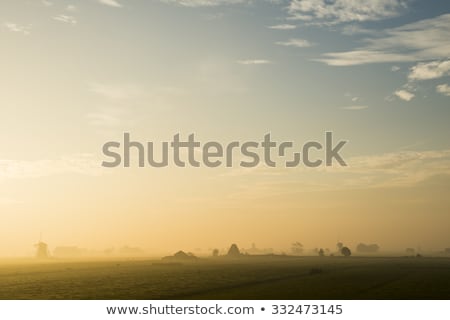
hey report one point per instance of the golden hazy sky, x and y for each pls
(74, 75)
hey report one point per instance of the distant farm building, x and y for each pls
(181, 256)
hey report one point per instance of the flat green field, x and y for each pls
(245, 278)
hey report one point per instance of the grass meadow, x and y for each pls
(221, 278)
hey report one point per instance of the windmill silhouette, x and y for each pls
(41, 249)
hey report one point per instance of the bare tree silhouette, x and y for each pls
(297, 248)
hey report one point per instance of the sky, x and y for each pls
(76, 74)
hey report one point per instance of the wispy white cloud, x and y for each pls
(111, 3)
(253, 61)
(334, 12)
(66, 19)
(424, 42)
(358, 57)
(355, 108)
(283, 27)
(404, 95)
(351, 96)
(295, 42)
(204, 3)
(430, 70)
(418, 41)
(13, 27)
(402, 167)
(444, 89)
